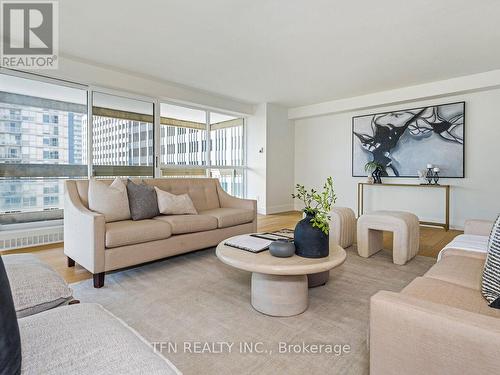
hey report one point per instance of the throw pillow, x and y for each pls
(35, 286)
(109, 200)
(171, 204)
(10, 340)
(142, 201)
(491, 274)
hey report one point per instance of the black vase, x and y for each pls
(310, 242)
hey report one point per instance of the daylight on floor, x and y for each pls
(249, 187)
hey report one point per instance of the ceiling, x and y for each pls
(292, 52)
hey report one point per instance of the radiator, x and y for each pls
(17, 236)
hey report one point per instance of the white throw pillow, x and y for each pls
(171, 204)
(109, 200)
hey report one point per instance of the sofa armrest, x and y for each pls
(228, 201)
(84, 231)
(478, 227)
(413, 336)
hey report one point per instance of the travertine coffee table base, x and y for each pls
(279, 295)
(279, 285)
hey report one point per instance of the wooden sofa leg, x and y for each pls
(98, 280)
(71, 262)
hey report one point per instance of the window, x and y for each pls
(226, 139)
(192, 146)
(122, 136)
(44, 139)
(42, 135)
(182, 147)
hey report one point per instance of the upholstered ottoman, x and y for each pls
(342, 226)
(405, 227)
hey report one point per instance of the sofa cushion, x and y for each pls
(142, 201)
(445, 293)
(35, 285)
(171, 204)
(129, 232)
(229, 217)
(109, 200)
(181, 224)
(86, 339)
(461, 270)
(10, 342)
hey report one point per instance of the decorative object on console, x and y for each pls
(436, 175)
(400, 140)
(429, 174)
(282, 248)
(376, 170)
(311, 233)
(422, 176)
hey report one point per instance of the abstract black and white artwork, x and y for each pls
(406, 141)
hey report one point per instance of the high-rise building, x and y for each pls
(37, 131)
(36, 135)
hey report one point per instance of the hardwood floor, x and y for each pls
(432, 240)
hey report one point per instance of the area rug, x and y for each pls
(197, 313)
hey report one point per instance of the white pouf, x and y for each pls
(342, 226)
(405, 227)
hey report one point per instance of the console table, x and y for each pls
(445, 225)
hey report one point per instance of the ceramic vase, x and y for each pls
(310, 242)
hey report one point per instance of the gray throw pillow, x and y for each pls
(142, 201)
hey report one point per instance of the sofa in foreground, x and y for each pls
(45, 331)
(101, 246)
(440, 323)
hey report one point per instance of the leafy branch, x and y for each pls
(318, 204)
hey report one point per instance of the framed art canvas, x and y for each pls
(406, 141)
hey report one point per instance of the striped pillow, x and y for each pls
(491, 273)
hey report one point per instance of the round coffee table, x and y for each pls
(279, 285)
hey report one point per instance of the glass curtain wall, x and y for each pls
(202, 143)
(226, 152)
(45, 135)
(183, 141)
(42, 142)
(122, 136)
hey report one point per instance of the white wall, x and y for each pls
(270, 172)
(280, 159)
(93, 74)
(256, 136)
(323, 148)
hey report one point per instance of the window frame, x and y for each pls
(208, 167)
(32, 171)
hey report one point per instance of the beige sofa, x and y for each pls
(100, 247)
(440, 323)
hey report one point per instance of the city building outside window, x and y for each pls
(45, 133)
(41, 128)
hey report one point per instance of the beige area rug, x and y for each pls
(193, 303)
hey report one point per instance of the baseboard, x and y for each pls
(280, 208)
